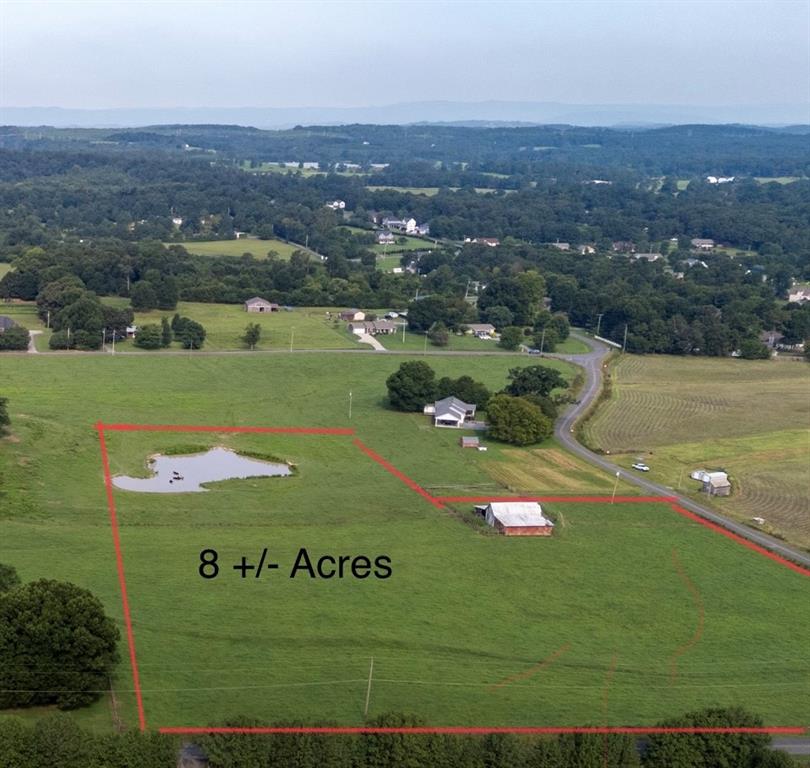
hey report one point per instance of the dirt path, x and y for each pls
(32, 347)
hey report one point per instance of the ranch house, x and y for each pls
(373, 328)
(517, 518)
(352, 315)
(257, 304)
(481, 330)
(451, 412)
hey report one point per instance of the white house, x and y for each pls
(337, 205)
(702, 243)
(481, 330)
(177, 221)
(373, 328)
(450, 412)
(385, 238)
(798, 295)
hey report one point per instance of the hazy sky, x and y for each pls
(162, 54)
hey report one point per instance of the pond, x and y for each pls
(186, 474)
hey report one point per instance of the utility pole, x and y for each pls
(615, 486)
(403, 333)
(350, 405)
(543, 340)
(368, 690)
(103, 338)
(292, 336)
(599, 322)
(48, 323)
(424, 352)
(624, 343)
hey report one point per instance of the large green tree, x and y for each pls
(5, 419)
(412, 386)
(534, 380)
(57, 646)
(517, 421)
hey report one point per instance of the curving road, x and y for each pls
(592, 363)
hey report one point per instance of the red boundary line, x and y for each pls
(439, 502)
(396, 473)
(484, 730)
(583, 499)
(193, 428)
(740, 540)
(122, 582)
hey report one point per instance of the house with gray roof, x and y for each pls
(451, 412)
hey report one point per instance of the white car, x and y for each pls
(641, 466)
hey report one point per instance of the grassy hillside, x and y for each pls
(257, 248)
(751, 418)
(630, 613)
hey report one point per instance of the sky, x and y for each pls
(98, 55)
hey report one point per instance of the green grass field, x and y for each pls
(415, 342)
(306, 328)
(5, 268)
(777, 179)
(427, 191)
(629, 614)
(751, 418)
(257, 248)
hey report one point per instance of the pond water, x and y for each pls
(186, 474)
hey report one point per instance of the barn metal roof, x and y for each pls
(517, 514)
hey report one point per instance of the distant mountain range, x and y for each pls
(479, 114)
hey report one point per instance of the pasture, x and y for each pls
(305, 328)
(238, 248)
(629, 614)
(751, 418)
(415, 342)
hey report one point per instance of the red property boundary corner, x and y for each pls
(439, 502)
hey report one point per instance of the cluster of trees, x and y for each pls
(188, 332)
(98, 215)
(14, 339)
(58, 740)
(57, 646)
(522, 414)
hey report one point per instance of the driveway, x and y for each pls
(365, 338)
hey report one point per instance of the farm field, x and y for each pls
(569, 642)
(257, 248)
(395, 250)
(751, 418)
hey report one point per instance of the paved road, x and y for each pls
(592, 363)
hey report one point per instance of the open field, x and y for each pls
(427, 191)
(629, 614)
(257, 248)
(410, 244)
(751, 418)
(306, 328)
(777, 179)
(467, 343)
(5, 268)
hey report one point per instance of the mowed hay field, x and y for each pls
(630, 613)
(750, 418)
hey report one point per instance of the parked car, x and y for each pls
(641, 466)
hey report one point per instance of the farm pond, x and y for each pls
(188, 474)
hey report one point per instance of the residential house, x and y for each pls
(423, 229)
(6, 323)
(337, 205)
(177, 221)
(258, 304)
(373, 328)
(797, 295)
(702, 243)
(451, 412)
(352, 315)
(517, 518)
(481, 330)
(696, 262)
(561, 246)
(624, 246)
(385, 238)
(586, 250)
(646, 256)
(492, 242)
(719, 179)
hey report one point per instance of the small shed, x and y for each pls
(258, 304)
(469, 442)
(714, 483)
(518, 518)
